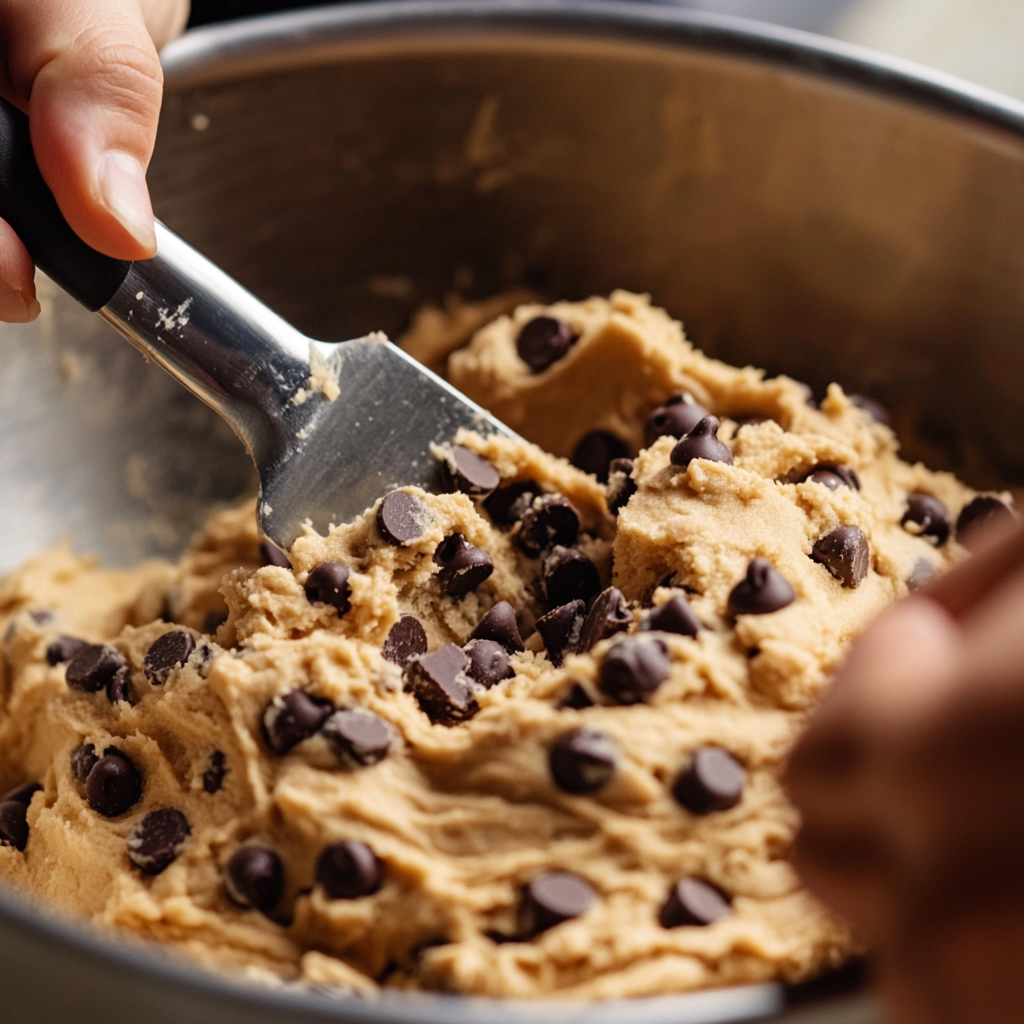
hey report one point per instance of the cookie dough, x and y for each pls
(412, 757)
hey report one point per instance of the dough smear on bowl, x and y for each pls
(519, 739)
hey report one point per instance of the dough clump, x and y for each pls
(552, 801)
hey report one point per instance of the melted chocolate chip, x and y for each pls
(407, 639)
(846, 555)
(633, 669)
(560, 630)
(470, 473)
(552, 898)
(440, 683)
(577, 698)
(833, 475)
(608, 615)
(154, 844)
(548, 520)
(271, 554)
(13, 824)
(676, 418)
(113, 785)
(359, 737)
(583, 761)
(713, 781)
(873, 408)
(488, 662)
(693, 902)
(761, 591)
(120, 686)
(292, 718)
(83, 758)
(349, 869)
(701, 443)
(621, 485)
(92, 668)
(23, 794)
(254, 878)
(64, 648)
(674, 616)
(978, 515)
(213, 775)
(167, 653)
(500, 504)
(594, 452)
(402, 518)
(463, 566)
(500, 624)
(328, 584)
(922, 573)
(544, 341)
(927, 517)
(568, 575)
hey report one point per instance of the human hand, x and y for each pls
(910, 781)
(88, 75)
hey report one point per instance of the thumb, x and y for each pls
(94, 85)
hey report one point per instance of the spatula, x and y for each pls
(331, 427)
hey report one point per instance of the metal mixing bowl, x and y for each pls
(804, 206)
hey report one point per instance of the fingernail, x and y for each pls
(16, 307)
(123, 184)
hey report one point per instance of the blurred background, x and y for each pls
(982, 40)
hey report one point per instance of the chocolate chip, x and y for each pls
(577, 698)
(271, 554)
(701, 443)
(64, 648)
(978, 515)
(549, 520)
(113, 785)
(552, 898)
(674, 616)
(328, 584)
(543, 341)
(120, 686)
(929, 517)
(500, 624)
(402, 518)
(713, 781)
(676, 418)
(693, 902)
(407, 639)
(167, 653)
(568, 575)
(560, 630)
(154, 844)
(13, 824)
(500, 504)
(608, 615)
(922, 573)
(470, 473)
(845, 553)
(349, 869)
(83, 758)
(595, 451)
(621, 485)
(359, 737)
(254, 878)
(583, 761)
(292, 718)
(22, 794)
(832, 475)
(873, 408)
(440, 684)
(463, 566)
(488, 662)
(93, 667)
(633, 669)
(213, 775)
(761, 591)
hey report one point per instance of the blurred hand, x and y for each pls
(88, 75)
(910, 781)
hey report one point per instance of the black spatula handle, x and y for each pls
(27, 204)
